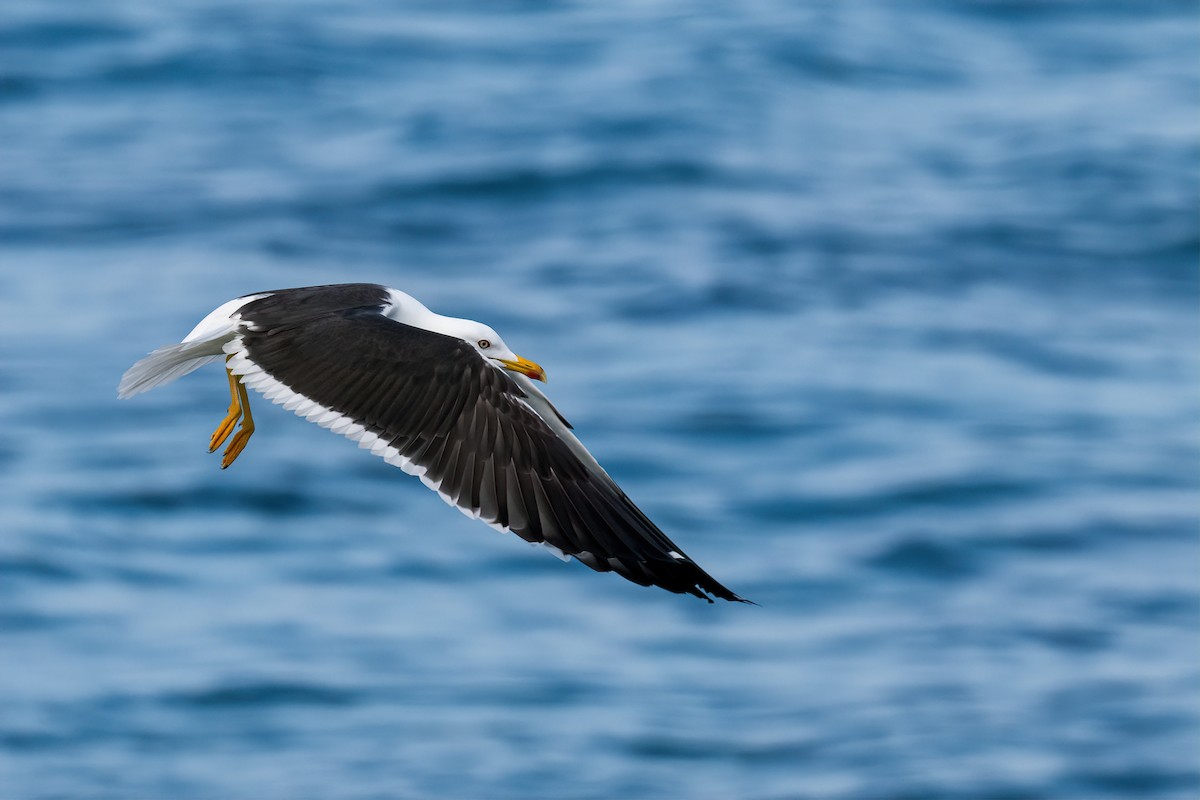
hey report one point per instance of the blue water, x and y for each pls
(886, 312)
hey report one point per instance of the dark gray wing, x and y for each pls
(439, 409)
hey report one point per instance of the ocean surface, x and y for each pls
(887, 313)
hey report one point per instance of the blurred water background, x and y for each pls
(886, 312)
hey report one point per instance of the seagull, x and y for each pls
(443, 399)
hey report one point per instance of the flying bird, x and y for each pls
(443, 399)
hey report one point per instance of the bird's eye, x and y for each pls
(484, 344)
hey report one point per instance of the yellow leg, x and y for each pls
(244, 433)
(235, 413)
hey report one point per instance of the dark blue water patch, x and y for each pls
(421, 569)
(1071, 424)
(816, 60)
(1024, 15)
(1151, 478)
(136, 722)
(1087, 535)
(36, 568)
(104, 457)
(1156, 608)
(201, 68)
(404, 571)
(1054, 258)
(1087, 172)
(60, 34)
(530, 183)
(814, 594)
(1041, 541)
(32, 741)
(927, 558)
(1107, 698)
(36, 622)
(1144, 720)
(981, 789)
(759, 294)
(317, 233)
(143, 577)
(731, 425)
(246, 46)
(1071, 638)
(233, 59)
(514, 560)
(264, 694)
(110, 220)
(723, 296)
(534, 691)
(742, 238)
(1133, 780)
(18, 88)
(671, 748)
(777, 753)
(867, 402)
(1174, 255)
(702, 648)
(273, 502)
(523, 561)
(1040, 355)
(333, 227)
(636, 128)
(964, 492)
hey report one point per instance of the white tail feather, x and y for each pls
(204, 344)
(166, 364)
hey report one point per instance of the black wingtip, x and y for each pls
(725, 594)
(707, 587)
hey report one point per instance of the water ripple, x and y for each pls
(264, 694)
